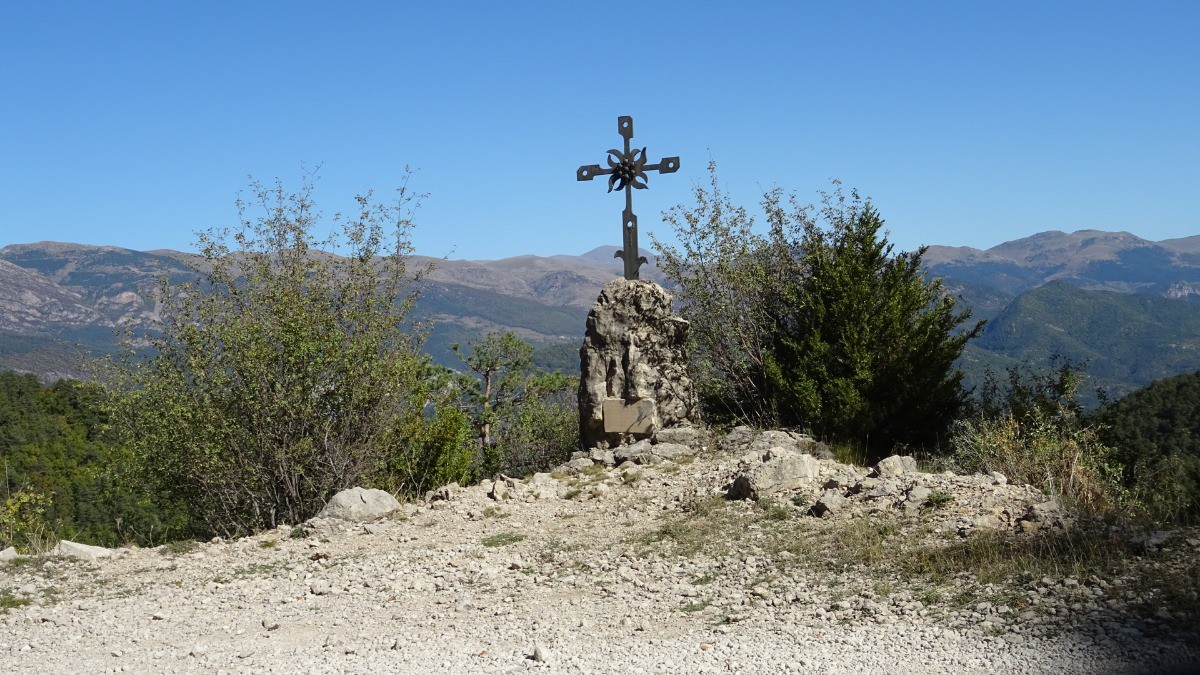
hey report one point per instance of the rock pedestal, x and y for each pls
(633, 367)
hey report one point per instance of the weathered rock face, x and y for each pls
(634, 366)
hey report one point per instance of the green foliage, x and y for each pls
(1033, 432)
(61, 477)
(726, 280)
(527, 420)
(867, 344)
(1156, 432)
(817, 323)
(938, 499)
(1025, 391)
(284, 374)
(503, 539)
(23, 522)
(1128, 339)
(501, 361)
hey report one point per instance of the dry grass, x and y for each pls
(942, 565)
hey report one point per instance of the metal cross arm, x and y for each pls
(626, 171)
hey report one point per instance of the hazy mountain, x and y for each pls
(1129, 306)
(58, 300)
(1089, 259)
(1127, 340)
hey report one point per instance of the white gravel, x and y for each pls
(424, 594)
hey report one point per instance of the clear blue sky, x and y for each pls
(967, 123)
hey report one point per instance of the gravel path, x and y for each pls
(572, 583)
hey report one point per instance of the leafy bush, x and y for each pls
(726, 279)
(23, 523)
(1032, 432)
(286, 374)
(815, 324)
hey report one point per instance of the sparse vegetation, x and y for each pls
(503, 539)
(9, 601)
(180, 547)
(911, 555)
(1033, 431)
(938, 499)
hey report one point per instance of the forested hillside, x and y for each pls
(60, 476)
(1156, 432)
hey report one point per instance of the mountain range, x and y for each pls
(1127, 306)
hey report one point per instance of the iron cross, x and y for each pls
(626, 171)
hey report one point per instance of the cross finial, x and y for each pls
(626, 171)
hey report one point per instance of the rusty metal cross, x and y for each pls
(626, 171)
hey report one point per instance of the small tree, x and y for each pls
(815, 323)
(501, 360)
(526, 419)
(285, 374)
(726, 279)
(866, 346)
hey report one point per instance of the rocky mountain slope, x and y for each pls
(58, 300)
(641, 567)
(1089, 259)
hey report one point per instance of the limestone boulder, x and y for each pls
(360, 505)
(895, 466)
(778, 469)
(71, 549)
(830, 504)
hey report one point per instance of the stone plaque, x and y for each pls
(639, 417)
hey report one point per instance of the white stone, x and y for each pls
(360, 505)
(73, 549)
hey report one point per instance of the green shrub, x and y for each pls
(23, 523)
(1056, 454)
(818, 324)
(286, 373)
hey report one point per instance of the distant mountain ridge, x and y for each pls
(59, 298)
(1090, 259)
(1129, 306)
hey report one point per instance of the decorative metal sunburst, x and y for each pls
(626, 171)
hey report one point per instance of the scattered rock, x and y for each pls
(360, 505)
(690, 436)
(605, 457)
(896, 465)
(830, 503)
(580, 464)
(72, 549)
(443, 494)
(501, 489)
(778, 469)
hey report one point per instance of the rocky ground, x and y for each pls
(644, 567)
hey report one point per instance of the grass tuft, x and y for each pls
(503, 539)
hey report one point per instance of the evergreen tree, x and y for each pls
(866, 345)
(815, 323)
